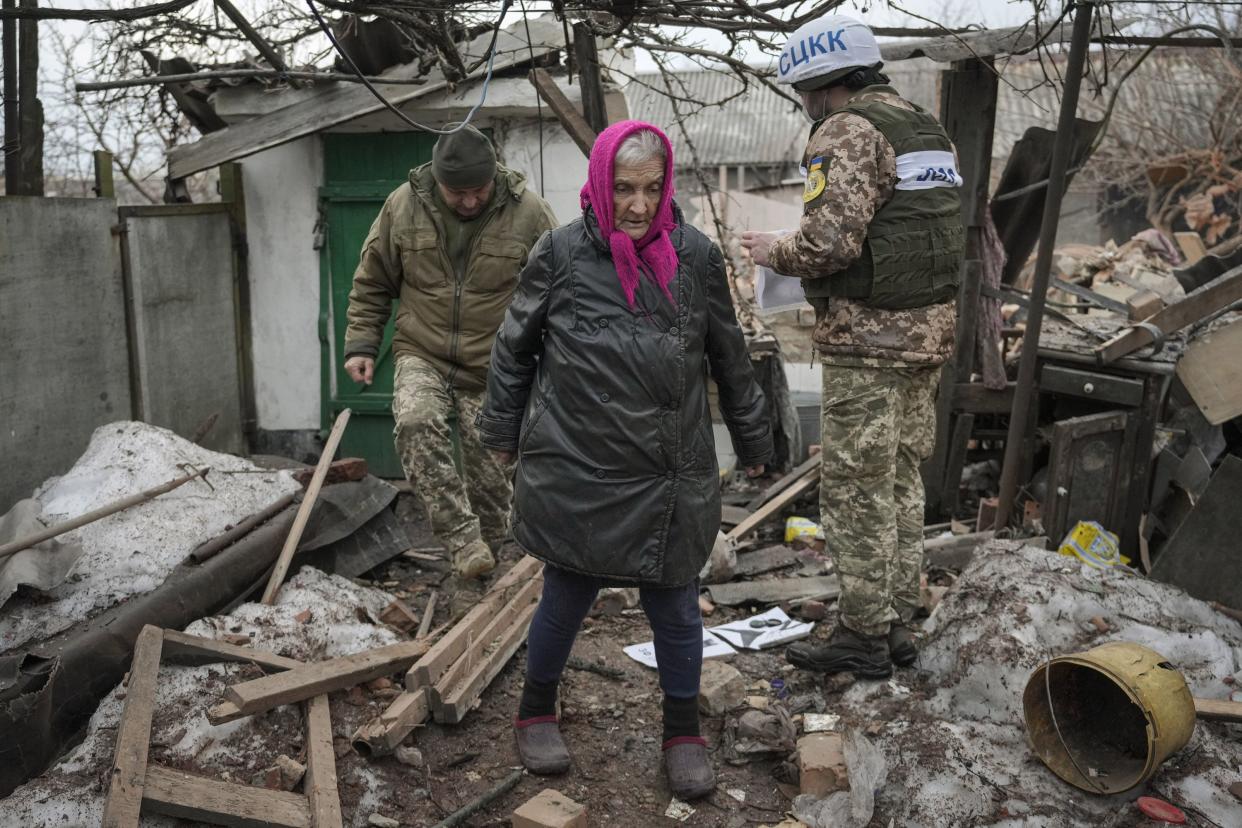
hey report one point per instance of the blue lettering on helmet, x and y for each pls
(784, 63)
(835, 42)
(805, 57)
(817, 48)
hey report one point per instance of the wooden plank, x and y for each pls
(345, 470)
(304, 510)
(785, 482)
(429, 611)
(350, 101)
(453, 707)
(197, 798)
(133, 735)
(954, 552)
(955, 461)
(319, 784)
(1212, 372)
(775, 591)
(186, 645)
(385, 732)
(586, 58)
(500, 621)
(428, 669)
(1218, 710)
(1215, 295)
(564, 110)
(224, 712)
(1057, 379)
(1192, 246)
(754, 563)
(808, 481)
(977, 399)
(732, 515)
(301, 683)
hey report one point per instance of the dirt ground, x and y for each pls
(612, 726)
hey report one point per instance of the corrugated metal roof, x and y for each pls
(727, 122)
(731, 124)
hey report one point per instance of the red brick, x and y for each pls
(821, 764)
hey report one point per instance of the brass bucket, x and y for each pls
(1105, 719)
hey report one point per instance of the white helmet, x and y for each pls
(825, 50)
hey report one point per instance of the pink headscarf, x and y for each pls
(654, 249)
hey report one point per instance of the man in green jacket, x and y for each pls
(448, 246)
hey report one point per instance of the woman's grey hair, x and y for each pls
(640, 147)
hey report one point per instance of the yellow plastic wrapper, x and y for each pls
(800, 527)
(1094, 545)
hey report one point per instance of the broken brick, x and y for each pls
(550, 809)
(813, 610)
(303, 617)
(721, 688)
(821, 764)
(398, 616)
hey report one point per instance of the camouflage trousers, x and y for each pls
(465, 506)
(878, 425)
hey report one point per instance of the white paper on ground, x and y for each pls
(644, 653)
(742, 635)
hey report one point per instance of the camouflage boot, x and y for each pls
(473, 560)
(846, 652)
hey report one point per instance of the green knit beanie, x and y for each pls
(464, 159)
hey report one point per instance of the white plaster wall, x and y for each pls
(564, 165)
(282, 195)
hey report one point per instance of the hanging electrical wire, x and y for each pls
(487, 78)
(538, 100)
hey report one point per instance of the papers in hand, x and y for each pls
(775, 292)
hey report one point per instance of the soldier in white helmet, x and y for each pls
(879, 249)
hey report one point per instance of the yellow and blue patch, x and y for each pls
(815, 180)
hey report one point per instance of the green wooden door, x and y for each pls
(360, 170)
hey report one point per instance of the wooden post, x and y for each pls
(30, 108)
(12, 116)
(564, 110)
(233, 193)
(308, 503)
(586, 56)
(103, 174)
(133, 735)
(968, 113)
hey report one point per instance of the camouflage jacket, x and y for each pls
(861, 175)
(448, 318)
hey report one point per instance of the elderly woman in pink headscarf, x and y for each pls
(598, 388)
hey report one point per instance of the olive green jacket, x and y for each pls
(447, 318)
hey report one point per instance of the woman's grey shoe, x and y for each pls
(689, 771)
(540, 745)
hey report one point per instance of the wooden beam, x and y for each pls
(301, 683)
(385, 732)
(453, 707)
(1215, 295)
(186, 645)
(104, 188)
(501, 621)
(428, 669)
(30, 108)
(564, 110)
(1219, 710)
(338, 106)
(197, 798)
(239, 20)
(133, 735)
(319, 784)
(586, 57)
(304, 511)
(775, 591)
(808, 481)
(785, 482)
